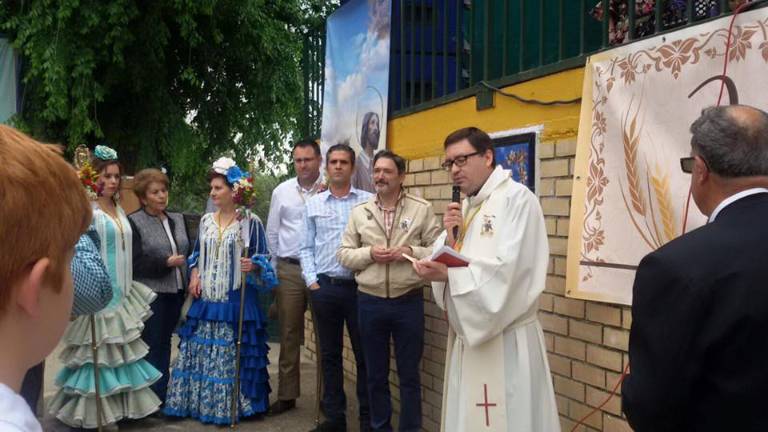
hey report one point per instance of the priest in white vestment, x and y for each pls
(497, 376)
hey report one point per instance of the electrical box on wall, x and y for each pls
(484, 98)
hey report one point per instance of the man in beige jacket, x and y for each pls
(390, 224)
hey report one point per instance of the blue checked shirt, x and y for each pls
(93, 288)
(325, 218)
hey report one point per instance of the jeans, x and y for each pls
(402, 318)
(157, 333)
(335, 303)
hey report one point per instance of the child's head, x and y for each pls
(43, 212)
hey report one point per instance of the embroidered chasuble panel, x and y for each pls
(639, 100)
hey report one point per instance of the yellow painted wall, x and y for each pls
(421, 134)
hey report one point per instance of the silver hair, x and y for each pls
(729, 146)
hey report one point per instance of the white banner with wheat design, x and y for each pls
(629, 193)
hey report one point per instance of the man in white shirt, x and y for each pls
(285, 226)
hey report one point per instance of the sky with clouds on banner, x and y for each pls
(356, 70)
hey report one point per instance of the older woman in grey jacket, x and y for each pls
(160, 247)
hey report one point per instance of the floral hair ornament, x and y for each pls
(88, 176)
(223, 164)
(243, 192)
(105, 153)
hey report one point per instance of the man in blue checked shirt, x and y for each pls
(333, 290)
(92, 292)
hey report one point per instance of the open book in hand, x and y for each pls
(449, 257)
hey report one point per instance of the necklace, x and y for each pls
(311, 191)
(116, 219)
(221, 229)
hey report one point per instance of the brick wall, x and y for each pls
(586, 341)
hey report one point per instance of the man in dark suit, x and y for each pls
(698, 347)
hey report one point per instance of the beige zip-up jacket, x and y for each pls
(415, 225)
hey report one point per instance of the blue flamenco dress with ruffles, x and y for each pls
(203, 375)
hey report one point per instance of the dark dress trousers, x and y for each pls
(698, 347)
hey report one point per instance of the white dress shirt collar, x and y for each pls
(312, 189)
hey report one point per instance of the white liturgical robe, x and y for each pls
(497, 376)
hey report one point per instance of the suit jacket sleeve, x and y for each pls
(662, 346)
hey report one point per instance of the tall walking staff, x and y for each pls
(95, 352)
(244, 242)
(318, 367)
(88, 177)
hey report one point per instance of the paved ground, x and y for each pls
(301, 419)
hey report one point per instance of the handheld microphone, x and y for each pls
(456, 197)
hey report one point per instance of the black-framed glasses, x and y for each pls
(686, 164)
(460, 161)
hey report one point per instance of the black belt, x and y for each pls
(290, 260)
(336, 280)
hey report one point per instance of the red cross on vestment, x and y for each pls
(485, 404)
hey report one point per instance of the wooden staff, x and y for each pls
(82, 156)
(95, 352)
(236, 390)
(318, 367)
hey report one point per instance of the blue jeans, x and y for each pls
(157, 333)
(334, 304)
(402, 318)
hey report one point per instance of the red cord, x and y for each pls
(613, 393)
(738, 10)
(722, 88)
(687, 205)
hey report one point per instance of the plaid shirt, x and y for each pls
(388, 213)
(93, 288)
(325, 217)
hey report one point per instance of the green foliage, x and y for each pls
(263, 186)
(171, 83)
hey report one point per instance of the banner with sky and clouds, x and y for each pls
(357, 82)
